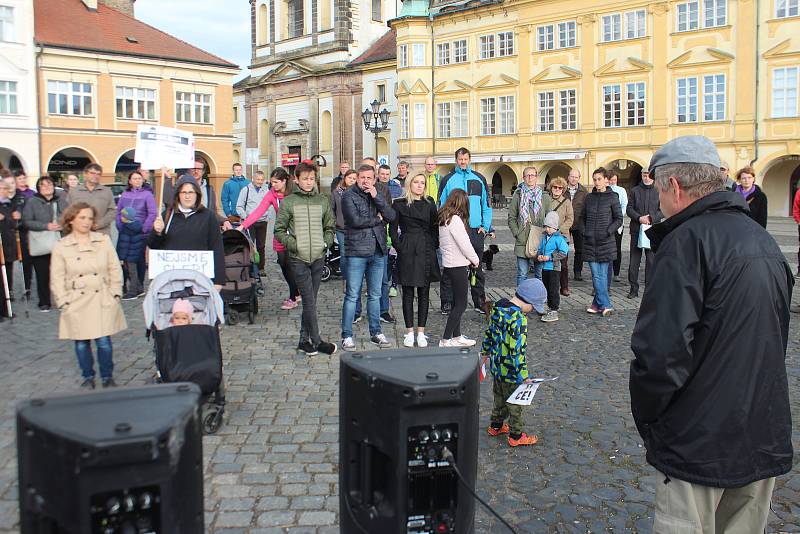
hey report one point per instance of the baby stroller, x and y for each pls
(332, 264)
(190, 353)
(241, 273)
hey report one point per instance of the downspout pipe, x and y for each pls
(433, 84)
(757, 77)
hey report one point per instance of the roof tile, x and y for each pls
(383, 49)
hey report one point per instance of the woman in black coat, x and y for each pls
(753, 195)
(416, 243)
(601, 217)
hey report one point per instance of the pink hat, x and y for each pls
(184, 306)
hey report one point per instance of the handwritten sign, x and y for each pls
(523, 395)
(159, 146)
(169, 260)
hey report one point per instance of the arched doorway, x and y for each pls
(68, 160)
(503, 179)
(211, 168)
(630, 172)
(558, 169)
(125, 165)
(779, 183)
(10, 160)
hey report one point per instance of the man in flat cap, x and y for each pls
(708, 385)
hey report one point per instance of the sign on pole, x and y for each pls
(251, 156)
(169, 260)
(158, 147)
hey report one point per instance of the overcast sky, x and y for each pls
(219, 27)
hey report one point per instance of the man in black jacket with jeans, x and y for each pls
(642, 209)
(708, 387)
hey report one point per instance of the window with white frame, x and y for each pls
(547, 111)
(443, 119)
(786, 8)
(507, 112)
(635, 103)
(714, 97)
(699, 14)
(193, 107)
(505, 44)
(418, 54)
(687, 99)
(487, 46)
(612, 27)
(69, 98)
(567, 34)
(7, 23)
(612, 106)
(402, 56)
(460, 51)
(8, 98)
(488, 124)
(545, 38)
(294, 17)
(381, 93)
(443, 54)
(403, 121)
(784, 92)
(420, 122)
(568, 109)
(136, 103)
(376, 10)
(635, 24)
(459, 123)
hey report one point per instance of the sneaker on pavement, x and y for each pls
(446, 307)
(565, 292)
(492, 431)
(130, 296)
(109, 383)
(550, 317)
(380, 340)
(326, 348)
(288, 304)
(479, 309)
(88, 383)
(392, 292)
(387, 318)
(523, 439)
(308, 348)
(348, 344)
(408, 340)
(44, 308)
(298, 298)
(593, 309)
(357, 319)
(632, 294)
(422, 340)
(446, 343)
(462, 341)
(141, 293)
(607, 311)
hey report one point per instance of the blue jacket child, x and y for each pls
(131, 241)
(553, 245)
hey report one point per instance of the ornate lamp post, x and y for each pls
(375, 121)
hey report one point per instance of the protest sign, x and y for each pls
(169, 260)
(159, 146)
(523, 395)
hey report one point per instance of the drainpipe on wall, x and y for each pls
(39, 52)
(433, 78)
(758, 64)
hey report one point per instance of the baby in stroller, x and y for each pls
(182, 312)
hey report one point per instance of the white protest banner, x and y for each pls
(523, 395)
(169, 260)
(159, 146)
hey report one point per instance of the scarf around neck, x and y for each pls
(529, 196)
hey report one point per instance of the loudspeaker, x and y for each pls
(398, 411)
(116, 461)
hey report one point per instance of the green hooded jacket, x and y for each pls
(305, 224)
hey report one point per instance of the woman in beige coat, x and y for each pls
(86, 282)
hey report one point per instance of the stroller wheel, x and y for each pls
(326, 273)
(212, 421)
(233, 317)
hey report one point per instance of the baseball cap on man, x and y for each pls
(532, 291)
(686, 149)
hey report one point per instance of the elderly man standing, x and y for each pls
(708, 387)
(97, 196)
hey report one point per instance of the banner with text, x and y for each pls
(169, 260)
(159, 146)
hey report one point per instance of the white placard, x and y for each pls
(169, 260)
(523, 395)
(159, 146)
(383, 160)
(251, 156)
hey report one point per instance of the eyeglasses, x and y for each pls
(531, 176)
(201, 169)
(556, 187)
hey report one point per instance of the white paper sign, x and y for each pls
(252, 156)
(523, 395)
(169, 260)
(159, 146)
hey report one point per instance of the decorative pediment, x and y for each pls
(782, 49)
(287, 71)
(701, 56)
(455, 86)
(503, 80)
(556, 73)
(419, 88)
(630, 65)
(402, 89)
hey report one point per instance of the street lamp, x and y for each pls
(375, 121)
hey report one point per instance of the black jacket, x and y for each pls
(363, 228)
(708, 387)
(416, 242)
(8, 231)
(757, 202)
(601, 217)
(198, 231)
(643, 200)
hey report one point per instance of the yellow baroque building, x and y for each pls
(105, 73)
(584, 84)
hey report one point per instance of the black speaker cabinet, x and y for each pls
(399, 410)
(116, 461)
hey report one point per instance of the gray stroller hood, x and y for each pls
(193, 286)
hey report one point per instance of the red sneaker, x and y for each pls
(497, 431)
(524, 439)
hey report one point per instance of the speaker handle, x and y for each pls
(365, 472)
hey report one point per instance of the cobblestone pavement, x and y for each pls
(273, 467)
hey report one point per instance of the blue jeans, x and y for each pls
(385, 286)
(524, 266)
(83, 350)
(343, 264)
(375, 268)
(600, 282)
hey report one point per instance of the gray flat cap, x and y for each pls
(686, 149)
